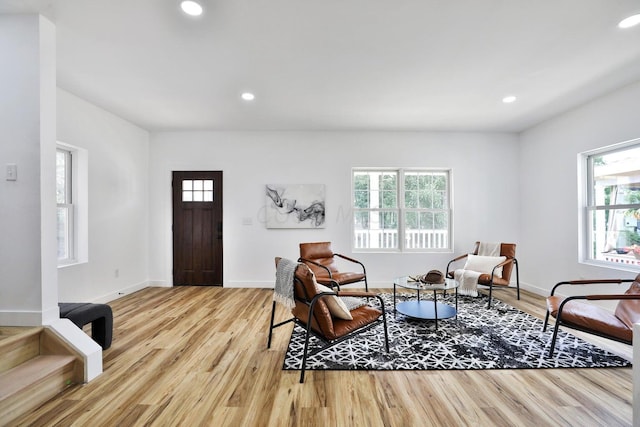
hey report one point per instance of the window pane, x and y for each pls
(208, 196)
(424, 230)
(614, 232)
(361, 199)
(187, 196)
(63, 232)
(208, 185)
(61, 177)
(376, 230)
(616, 177)
(411, 199)
(439, 199)
(426, 199)
(197, 184)
(388, 194)
(198, 196)
(361, 190)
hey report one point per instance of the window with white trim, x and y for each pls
(611, 215)
(401, 210)
(72, 204)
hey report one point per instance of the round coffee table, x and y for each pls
(423, 309)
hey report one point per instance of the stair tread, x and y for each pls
(18, 345)
(23, 375)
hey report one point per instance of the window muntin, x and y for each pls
(65, 207)
(401, 210)
(612, 217)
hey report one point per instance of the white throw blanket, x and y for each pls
(489, 249)
(283, 290)
(468, 279)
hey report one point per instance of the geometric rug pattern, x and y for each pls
(501, 337)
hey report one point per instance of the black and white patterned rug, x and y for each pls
(498, 338)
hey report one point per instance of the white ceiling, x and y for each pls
(341, 64)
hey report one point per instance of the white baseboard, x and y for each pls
(249, 284)
(120, 293)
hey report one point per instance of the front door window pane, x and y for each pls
(197, 190)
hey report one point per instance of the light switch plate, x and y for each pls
(12, 172)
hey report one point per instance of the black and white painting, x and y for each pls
(295, 206)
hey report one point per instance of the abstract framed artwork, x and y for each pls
(295, 206)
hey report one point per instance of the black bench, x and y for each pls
(99, 315)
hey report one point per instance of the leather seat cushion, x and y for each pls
(361, 316)
(591, 317)
(485, 279)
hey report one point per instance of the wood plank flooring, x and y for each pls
(197, 356)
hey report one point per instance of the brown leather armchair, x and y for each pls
(593, 319)
(507, 250)
(322, 261)
(312, 311)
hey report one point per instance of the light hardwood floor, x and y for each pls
(197, 356)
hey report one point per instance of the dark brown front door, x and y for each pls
(197, 228)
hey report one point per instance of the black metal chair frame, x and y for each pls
(559, 322)
(309, 330)
(335, 283)
(491, 285)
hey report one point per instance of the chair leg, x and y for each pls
(273, 313)
(515, 262)
(306, 348)
(386, 333)
(546, 321)
(490, 291)
(384, 320)
(555, 335)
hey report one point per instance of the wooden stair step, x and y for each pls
(18, 346)
(33, 382)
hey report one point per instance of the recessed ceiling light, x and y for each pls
(191, 7)
(629, 22)
(509, 99)
(248, 96)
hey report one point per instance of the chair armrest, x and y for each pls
(590, 282)
(355, 261)
(502, 264)
(347, 258)
(454, 260)
(505, 262)
(612, 297)
(317, 264)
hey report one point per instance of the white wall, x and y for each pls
(28, 287)
(485, 180)
(118, 156)
(549, 185)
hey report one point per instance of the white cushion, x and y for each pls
(336, 306)
(484, 264)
